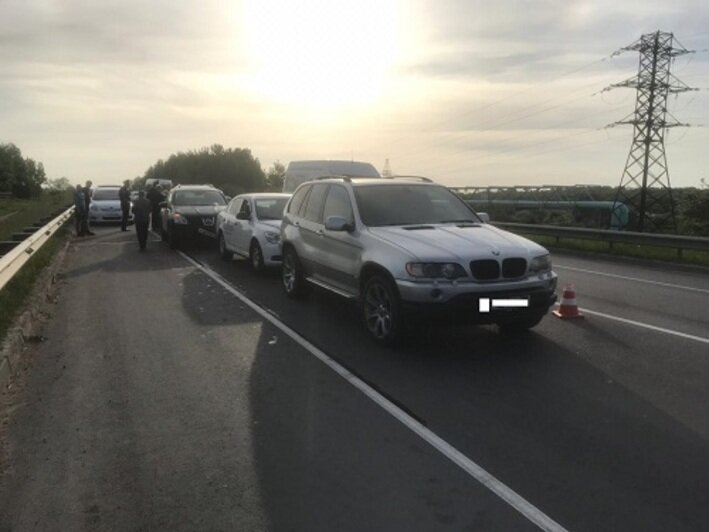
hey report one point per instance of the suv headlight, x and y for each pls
(272, 237)
(540, 264)
(435, 270)
(179, 219)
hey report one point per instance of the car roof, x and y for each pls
(195, 187)
(257, 195)
(383, 181)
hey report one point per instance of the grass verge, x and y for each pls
(14, 295)
(700, 258)
(16, 214)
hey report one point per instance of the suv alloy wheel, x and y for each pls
(381, 310)
(292, 274)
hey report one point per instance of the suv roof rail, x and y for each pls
(419, 177)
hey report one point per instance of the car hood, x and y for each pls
(270, 225)
(201, 210)
(465, 243)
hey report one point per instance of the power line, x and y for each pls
(645, 183)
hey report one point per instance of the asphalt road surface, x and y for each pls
(162, 401)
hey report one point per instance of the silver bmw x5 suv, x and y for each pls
(409, 248)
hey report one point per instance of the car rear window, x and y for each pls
(198, 197)
(105, 194)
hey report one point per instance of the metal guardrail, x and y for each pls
(11, 262)
(677, 242)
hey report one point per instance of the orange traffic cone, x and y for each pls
(568, 308)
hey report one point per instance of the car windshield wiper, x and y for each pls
(461, 221)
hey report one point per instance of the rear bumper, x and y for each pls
(193, 231)
(108, 217)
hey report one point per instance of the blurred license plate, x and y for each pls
(486, 304)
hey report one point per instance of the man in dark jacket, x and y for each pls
(156, 198)
(80, 213)
(87, 200)
(141, 218)
(124, 196)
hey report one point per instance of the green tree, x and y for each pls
(22, 177)
(275, 175)
(234, 170)
(694, 213)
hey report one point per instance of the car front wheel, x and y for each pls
(256, 257)
(292, 275)
(223, 251)
(381, 310)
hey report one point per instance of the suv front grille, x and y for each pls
(514, 267)
(485, 270)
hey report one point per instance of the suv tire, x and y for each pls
(223, 251)
(292, 275)
(381, 310)
(256, 257)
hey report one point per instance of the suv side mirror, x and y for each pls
(338, 223)
(243, 215)
(485, 217)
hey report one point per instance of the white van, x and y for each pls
(301, 171)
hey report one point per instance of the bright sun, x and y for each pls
(321, 53)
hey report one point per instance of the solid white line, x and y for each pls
(512, 498)
(636, 279)
(646, 326)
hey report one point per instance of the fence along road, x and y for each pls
(13, 260)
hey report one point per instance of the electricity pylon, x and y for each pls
(645, 184)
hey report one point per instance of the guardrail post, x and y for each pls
(679, 253)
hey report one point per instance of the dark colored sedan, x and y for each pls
(190, 212)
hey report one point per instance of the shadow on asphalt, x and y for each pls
(529, 410)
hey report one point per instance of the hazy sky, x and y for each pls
(467, 92)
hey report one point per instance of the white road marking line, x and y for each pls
(512, 498)
(636, 279)
(646, 325)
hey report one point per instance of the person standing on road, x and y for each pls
(87, 202)
(80, 213)
(124, 196)
(156, 198)
(141, 217)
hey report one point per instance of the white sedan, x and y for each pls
(251, 227)
(106, 206)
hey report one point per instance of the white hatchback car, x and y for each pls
(250, 227)
(106, 206)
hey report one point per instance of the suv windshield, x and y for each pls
(270, 208)
(103, 194)
(410, 205)
(198, 197)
